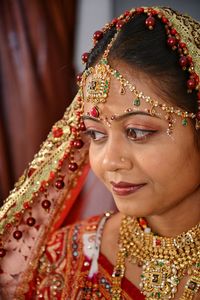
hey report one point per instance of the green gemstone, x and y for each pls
(198, 265)
(117, 74)
(184, 122)
(136, 102)
(104, 61)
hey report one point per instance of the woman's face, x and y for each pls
(147, 171)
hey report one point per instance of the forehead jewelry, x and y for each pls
(99, 76)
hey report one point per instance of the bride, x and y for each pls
(135, 121)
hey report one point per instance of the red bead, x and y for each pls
(114, 21)
(119, 24)
(2, 252)
(165, 20)
(78, 144)
(153, 12)
(17, 234)
(73, 166)
(94, 112)
(79, 77)
(31, 171)
(26, 205)
(182, 45)
(198, 95)
(82, 126)
(59, 184)
(189, 59)
(150, 22)
(57, 132)
(139, 10)
(8, 225)
(98, 35)
(183, 61)
(85, 57)
(127, 13)
(173, 31)
(158, 242)
(46, 204)
(18, 215)
(30, 221)
(51, 175)
(191, 84)
(171, 41)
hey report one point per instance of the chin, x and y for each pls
(134, 210)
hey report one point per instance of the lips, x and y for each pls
(125, 188)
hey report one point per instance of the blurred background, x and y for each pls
(41, 42)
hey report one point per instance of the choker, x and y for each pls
(164, 261)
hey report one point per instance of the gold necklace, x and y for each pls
(164, 261)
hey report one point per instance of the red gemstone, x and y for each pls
(8, 225)
(59, 184)
(82, 126)
(127, 13)
(94, 112)
(84, 57)
(164, 20)
(79, 77)
(191, 84)
(150, 22)
(198, 95)
(183, 61)
(30, 221)
(182, 45)
(31, 171)
(78, 144)
(57, 132)
(119, 24)
(26, 205)
(173, 31)
(73, 166)
(17, 234)
(51, 175)
(46, 204)
(158, 242)
(2, 252)
(139, 10)
(18, 215)
(98, 35)
(189, 59)
(114, 21)
(171, 41)
(153, 12)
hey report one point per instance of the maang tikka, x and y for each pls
(97, 90)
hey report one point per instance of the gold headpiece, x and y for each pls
(182, 35)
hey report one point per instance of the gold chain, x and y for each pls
(164, 261)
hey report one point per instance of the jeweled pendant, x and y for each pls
(159, 279)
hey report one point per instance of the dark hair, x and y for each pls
(147, 51)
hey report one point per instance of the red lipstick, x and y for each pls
(125, 188)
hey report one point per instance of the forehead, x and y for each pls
(116, 102)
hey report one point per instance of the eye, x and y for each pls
(137, 134)
(95, 135)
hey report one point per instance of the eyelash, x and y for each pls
(140, 134)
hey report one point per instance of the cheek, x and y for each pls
(95, 160)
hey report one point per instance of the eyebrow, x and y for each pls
(122, 116)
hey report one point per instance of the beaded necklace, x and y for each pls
(164, 261)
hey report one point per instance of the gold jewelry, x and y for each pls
(164, 261)
(182, 33)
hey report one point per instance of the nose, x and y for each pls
(115, 156)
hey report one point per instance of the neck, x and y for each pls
(179, 219)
